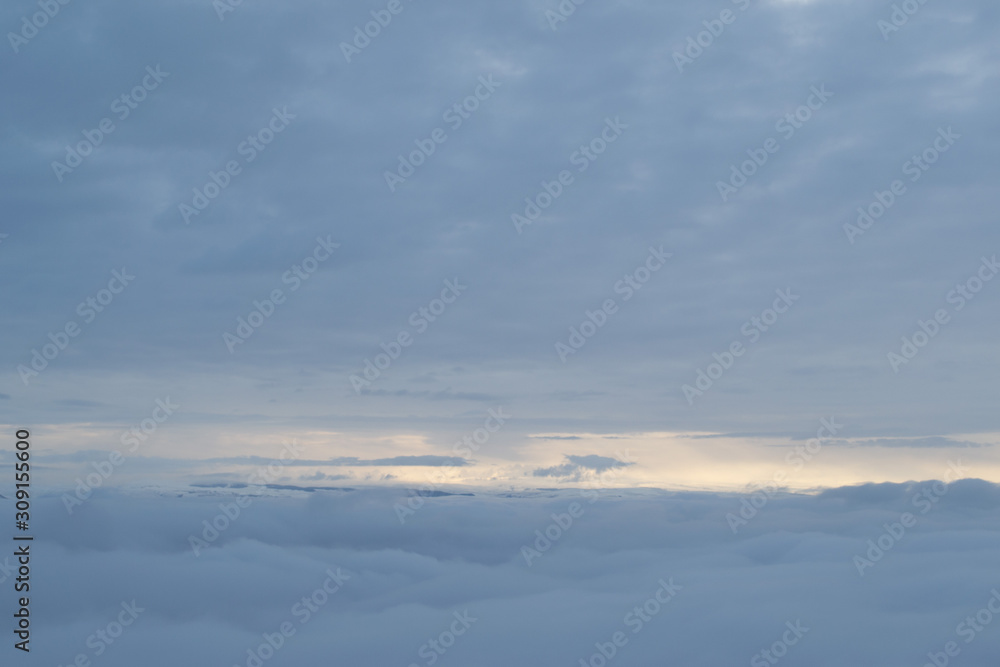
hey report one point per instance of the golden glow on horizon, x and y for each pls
(661, 459)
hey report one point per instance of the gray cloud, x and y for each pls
(452, 217)
(932, 442)
(412, 577)
(83, 456)
(576, 464)
(323, 177)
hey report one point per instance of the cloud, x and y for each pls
(414, 559)
(452, 216)
(794, 561)
(442, 395)
(577, 464)
(429, 460)
(931, 442)
(319, 476)
(78, 403)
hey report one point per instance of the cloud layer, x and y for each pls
(793, 561)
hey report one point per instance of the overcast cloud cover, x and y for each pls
(633, 265)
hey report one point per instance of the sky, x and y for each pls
(463, 263)
(649, 132)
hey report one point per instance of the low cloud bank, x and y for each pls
(650, 577)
